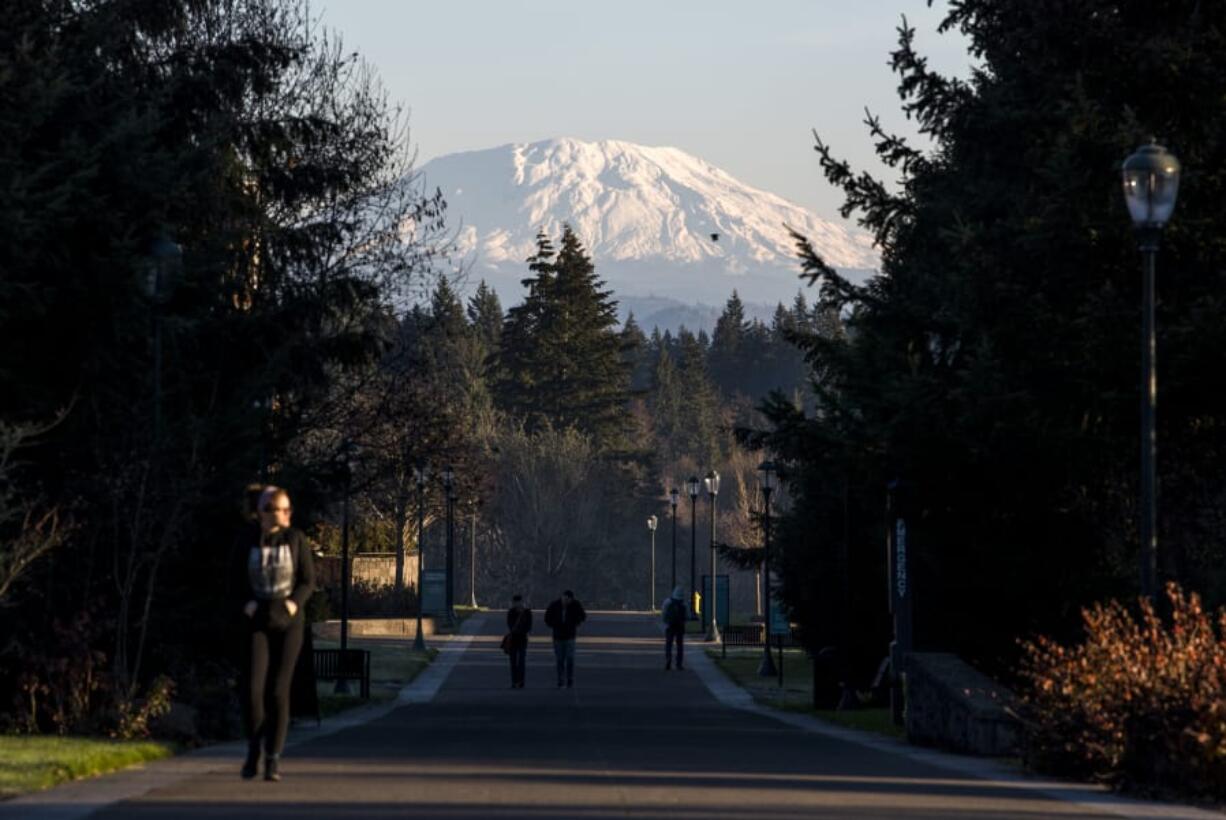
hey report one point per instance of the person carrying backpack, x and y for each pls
(673, 613)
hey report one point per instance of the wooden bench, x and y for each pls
(751, 635)
(344, 664)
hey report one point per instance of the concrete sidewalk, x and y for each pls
(81, 798)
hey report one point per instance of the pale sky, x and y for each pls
(738, 84)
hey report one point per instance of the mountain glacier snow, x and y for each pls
(645, 214)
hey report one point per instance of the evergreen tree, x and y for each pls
(485, 315)
(727, 349)
(520, 362)
(993, 365)
(699, 428)
(563, 361)
(636, 352)
(446, 310)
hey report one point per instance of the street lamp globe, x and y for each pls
(768, 471)
(693, 485)
(672, 496)
(166, 260)
(651, 523)
(421, 474)
(712, 483)
(1151, 185)
(448, 476)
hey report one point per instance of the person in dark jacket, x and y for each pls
(673, 613)
(519, 624)
(280, 577)
(563, 616)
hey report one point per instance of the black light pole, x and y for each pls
(1151, 185)
(692, 486)
(472, 560)
(449, 596)
(766, 669)
(672, 499)
(342, 685)
(420, 474)
(712, 484)
(166, 257)
(652, 521)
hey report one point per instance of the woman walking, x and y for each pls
(519, 624)
(280, 579)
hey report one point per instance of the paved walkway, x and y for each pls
(630, 740)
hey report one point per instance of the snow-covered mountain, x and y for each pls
(645, 214)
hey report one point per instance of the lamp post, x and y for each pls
(651, 597)
(712, 485)
(766, 669)
(342, 685)
(692, 487)
(166, 259)
(472, 559)
(420, 475)
(449, 498)
(1151, 185)
(672, 500)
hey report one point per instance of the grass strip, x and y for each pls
(393, 665)
(796, 695)
(30, 763)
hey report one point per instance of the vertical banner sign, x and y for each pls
(433, 591)
(778, 622)
(900, 559)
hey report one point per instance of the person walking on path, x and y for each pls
(519, 624)
(280, 578)
(674, 614)
(563, 616)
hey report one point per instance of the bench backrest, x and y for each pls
(345, 663)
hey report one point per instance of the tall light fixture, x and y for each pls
(421, 474)
(692, 486)
(652, 521)
(712, 485)
(766, 668)
(449, 500)
(672, 500)
(1151, 186)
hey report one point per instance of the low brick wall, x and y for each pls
(377, 569)
(375, 628)
(953, 706)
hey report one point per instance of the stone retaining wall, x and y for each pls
(953, 706)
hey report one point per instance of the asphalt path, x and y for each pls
(630, 740)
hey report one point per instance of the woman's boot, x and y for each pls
(251, 766)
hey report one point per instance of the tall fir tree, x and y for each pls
(727, 353)
(563, 361)
(702, 437)
(636, 351)
(485, 315)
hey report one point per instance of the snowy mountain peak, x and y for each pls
(646, 215)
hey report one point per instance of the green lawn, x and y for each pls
(741, 666)
(34, 762)
(393, 664)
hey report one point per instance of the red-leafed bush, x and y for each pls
(1140, 704)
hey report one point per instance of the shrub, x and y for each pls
(1140, 704)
